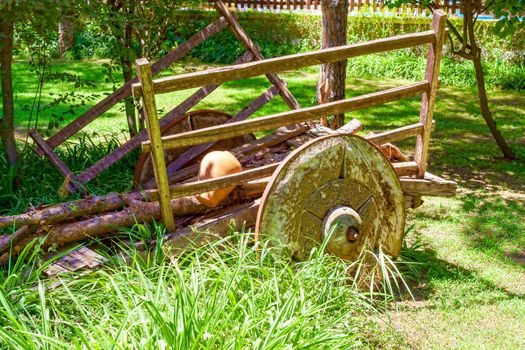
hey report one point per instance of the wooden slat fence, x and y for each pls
(449, 6)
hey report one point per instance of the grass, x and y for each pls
(468, 279)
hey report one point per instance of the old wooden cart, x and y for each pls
(338, 178)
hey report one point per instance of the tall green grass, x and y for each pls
(228, 295)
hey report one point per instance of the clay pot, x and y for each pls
(216, 164)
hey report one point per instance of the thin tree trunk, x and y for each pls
(127, 75)
(485, 110)
(66, 37)
(7, 131)
(332, 78)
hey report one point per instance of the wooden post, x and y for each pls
(157, 152)
(439, 23)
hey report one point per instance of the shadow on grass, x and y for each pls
(446, 284)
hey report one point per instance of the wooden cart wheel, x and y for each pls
(340, 179)
(194, 120)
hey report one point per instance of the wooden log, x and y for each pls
(175, 115)
(124, 91)
(7, 241)
(285, 63)
(196, 151)
(69, 210)
(439, 23)
(290, 117)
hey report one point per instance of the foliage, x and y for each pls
(509, 13)
(228, 295)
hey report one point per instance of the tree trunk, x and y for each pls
(66, 37)
(332, 78)
(485, 111)
(127, 74)
(7, 131)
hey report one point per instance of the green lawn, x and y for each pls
(469, 285)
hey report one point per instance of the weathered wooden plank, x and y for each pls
(428, 186)
(212, 229)
(55, 159)
(405, 168)
(196, 151)
(157, 153)
(290, 117)
(439, 23)
(125, 91)
(396, 134)
(176, 114)
(284, 63)
(281, 135)
(241, 35)
(202, 186)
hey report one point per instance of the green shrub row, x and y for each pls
(287, 33)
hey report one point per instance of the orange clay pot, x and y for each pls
(216, 164)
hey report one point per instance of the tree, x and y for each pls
(42, 16)
(464, 44)
(332, 78)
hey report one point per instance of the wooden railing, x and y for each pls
(147, 88)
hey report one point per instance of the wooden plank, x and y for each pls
(241, 35)
(396, 134)
(428, 186)
(405, 168)
(55, 160)
(202, 186)
(284, 63)
(291, 117)
(125, 91)
(279, 136)
(439, 23)
(196, 151)
(212, 229)
(175, 115)
(157, 153)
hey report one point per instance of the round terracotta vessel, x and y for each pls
(216, 164)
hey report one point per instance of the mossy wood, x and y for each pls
(339, 172)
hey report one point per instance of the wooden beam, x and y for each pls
(175, 115)
(157, 153)
(125, 91)
(284, 63)
(241, 35)
(55, 159)
(212, 229)
(196, 151)
(430, 185)
(405, 168)
(202, 186)
(286, 118)
(439, 23)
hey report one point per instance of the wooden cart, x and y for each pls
(338, 180)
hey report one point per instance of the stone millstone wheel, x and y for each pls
(199, 119)
(341, 187)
